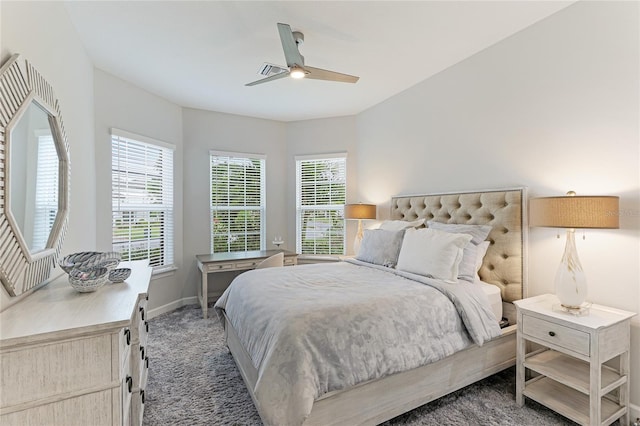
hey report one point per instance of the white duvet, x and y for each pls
(317, 328)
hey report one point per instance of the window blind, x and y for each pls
(142, 199)
(46, 194)
(320, 198)
(237, 202)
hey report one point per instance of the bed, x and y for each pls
(320, 386)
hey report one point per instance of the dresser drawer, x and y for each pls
(143, 332)
(126, 390)
(559, 335)
(142, 363)
(142, 311)
(125, 338)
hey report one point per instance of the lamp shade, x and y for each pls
(572, 211)
(359, 211)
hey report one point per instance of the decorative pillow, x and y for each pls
(432, 253)
(398, 225)
(482, 250)
(467, 270)
(380, 247)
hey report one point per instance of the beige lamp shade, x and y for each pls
(572, 211)
(359, 211)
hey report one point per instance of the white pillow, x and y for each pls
(466, 270)
(399, 225)
(482, 250)
(432, 253)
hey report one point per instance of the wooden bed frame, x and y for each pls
(504, 265)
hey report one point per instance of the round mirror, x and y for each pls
(33, 171)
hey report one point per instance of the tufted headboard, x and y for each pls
(505, 210)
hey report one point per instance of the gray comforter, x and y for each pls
(317, 328)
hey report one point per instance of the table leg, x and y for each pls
(624, 389)
(595, 379)
(204, 300)
(521, 353)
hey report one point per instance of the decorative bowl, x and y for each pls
(118, 275)
(69, 262)
(89, 279)
(109, 260)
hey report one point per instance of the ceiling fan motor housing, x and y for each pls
(298, 37)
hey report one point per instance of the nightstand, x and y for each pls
(560, 360)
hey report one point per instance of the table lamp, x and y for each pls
(571, 212)
(360, 212)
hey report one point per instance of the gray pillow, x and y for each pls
(380, 247)
(467, 268)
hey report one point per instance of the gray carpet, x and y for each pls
(193, 381)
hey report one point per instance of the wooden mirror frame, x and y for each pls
(20, 269)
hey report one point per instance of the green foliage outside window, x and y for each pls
(321, 197)
(237, 204)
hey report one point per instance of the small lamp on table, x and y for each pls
(359, 211)
(572, 211)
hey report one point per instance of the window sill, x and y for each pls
(319, 258)
(163, 272)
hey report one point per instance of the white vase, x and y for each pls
(571, 283)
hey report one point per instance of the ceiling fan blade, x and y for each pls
(289, 45)
(268, 79)
(320, 74)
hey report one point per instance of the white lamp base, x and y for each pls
(571, 283)
(582, 311)
(358, 239)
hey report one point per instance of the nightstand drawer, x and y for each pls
(565, 337)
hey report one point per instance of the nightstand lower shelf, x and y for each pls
(567, 401)
(572, 372)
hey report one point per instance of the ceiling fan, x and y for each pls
(296, 68)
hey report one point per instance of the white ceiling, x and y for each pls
(199, 54)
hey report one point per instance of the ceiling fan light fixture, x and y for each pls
(297, 72)
(296, 67)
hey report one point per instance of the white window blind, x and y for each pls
(320, 197)
(237, 202)
(46, 195)
(142, 197)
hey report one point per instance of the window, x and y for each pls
(320, 197)
(46, 198)
(237, 201)
(142, 197)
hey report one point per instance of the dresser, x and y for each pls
(70, 358)
(576, 365)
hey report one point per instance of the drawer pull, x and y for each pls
(142, 353)
(127, 334)
(552, 333)
(142, 313)
(129, 383)
(146, 326)
(142, 395)
(146, 361)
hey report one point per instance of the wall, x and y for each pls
(554, 108)
(43, 34)
(124, 106)
(204, 131)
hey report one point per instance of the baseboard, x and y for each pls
(172, 306)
